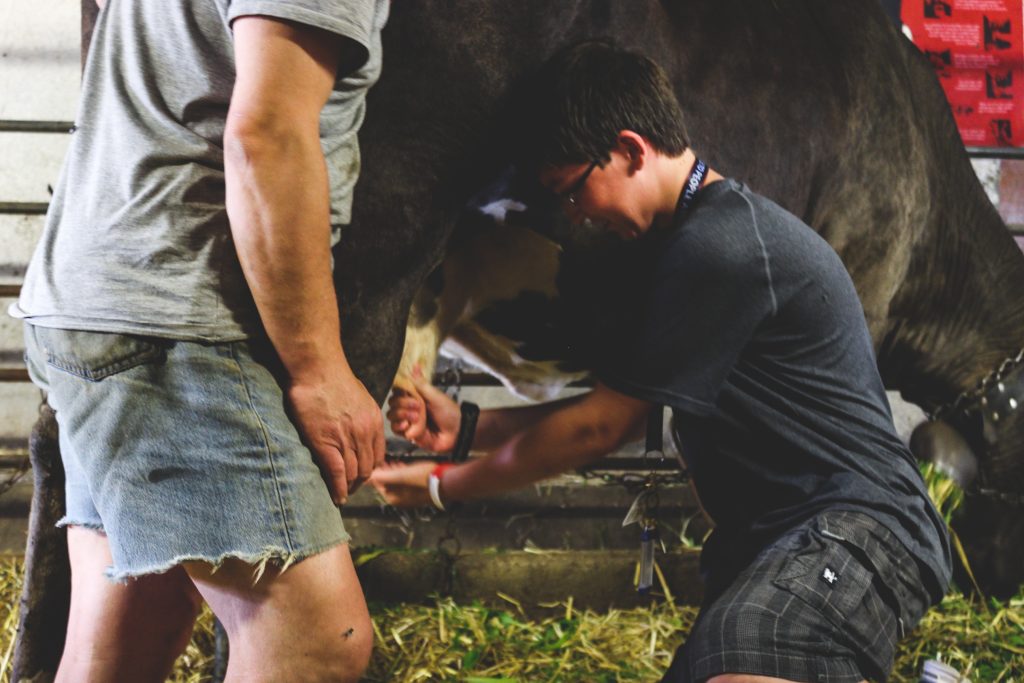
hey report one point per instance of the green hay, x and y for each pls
(984, 645)
(478, 644)
(448, 642)
(943, 491)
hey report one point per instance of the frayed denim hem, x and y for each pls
(270, 555)
(68, 521)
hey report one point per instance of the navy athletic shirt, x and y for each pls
(746, 323)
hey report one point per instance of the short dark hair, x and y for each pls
(585, 95)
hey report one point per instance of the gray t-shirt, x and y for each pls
(747, 324)
(137, 238)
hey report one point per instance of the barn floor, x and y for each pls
(512, 639)
(445, 641)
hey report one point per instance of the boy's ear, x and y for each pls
(634, 147)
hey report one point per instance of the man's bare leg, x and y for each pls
(307, 623)
(122, 632)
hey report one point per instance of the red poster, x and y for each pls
(977, 49)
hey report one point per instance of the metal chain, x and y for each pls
(652, 502)
(450, 381)
(980, 389)
(633, 482)
(976, 394)
(449, 547)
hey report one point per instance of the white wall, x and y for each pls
(39, 78)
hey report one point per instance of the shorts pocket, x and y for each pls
(96, 355)
(826, 576)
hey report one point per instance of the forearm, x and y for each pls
(537, 442)
(569, 435)
(277, 202)
(543, 452)
(497, 426)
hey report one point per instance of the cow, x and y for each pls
(828, 110)
(822, 106)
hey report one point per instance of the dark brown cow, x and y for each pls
(821, 106)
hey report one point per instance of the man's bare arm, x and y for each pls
(278, 205)
(535, 442)
(566, 435)
(497, 426)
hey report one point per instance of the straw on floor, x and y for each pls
(444, 641)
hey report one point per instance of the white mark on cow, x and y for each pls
(497, 263)
(498, 210)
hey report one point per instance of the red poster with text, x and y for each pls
(977, 49)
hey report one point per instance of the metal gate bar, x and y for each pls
(20, 126)
(24, 208)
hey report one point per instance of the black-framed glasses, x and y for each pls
(569, 195)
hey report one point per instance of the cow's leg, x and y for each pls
(130, 631)
(47, 589)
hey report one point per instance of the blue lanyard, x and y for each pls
(697, 176)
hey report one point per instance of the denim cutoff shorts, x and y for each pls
(180, 451)
(826, 602)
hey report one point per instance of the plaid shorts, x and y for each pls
(825, 602)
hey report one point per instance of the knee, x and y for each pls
(334, 655)
(351, 653)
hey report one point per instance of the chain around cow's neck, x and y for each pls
(968, 397)
(978, 398)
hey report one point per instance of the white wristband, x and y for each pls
(434, 489)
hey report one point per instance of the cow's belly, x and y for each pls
(495, 307)
(534, 379)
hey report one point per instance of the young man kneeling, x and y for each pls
(743, 320)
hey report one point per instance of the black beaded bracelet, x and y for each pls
(467, 430)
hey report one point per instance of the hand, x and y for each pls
(342, 426)
(404, 485)
(424, 415)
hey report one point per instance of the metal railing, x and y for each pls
(995, 152)
(18, 126)
(24, 208)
